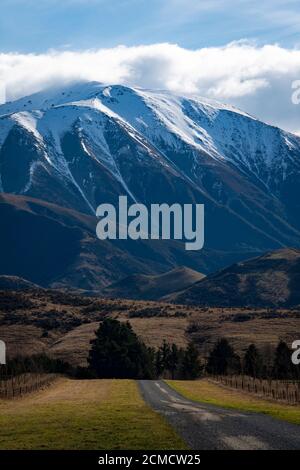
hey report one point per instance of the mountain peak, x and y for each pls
(215, 129)
(87, 143)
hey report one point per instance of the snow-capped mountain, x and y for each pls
(88, 143)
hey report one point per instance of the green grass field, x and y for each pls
(84, 414)
(208, 392)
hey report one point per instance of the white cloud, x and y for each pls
(258, 79)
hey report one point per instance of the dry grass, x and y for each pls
(74, 346)
(154, 330)
(263, 327)
(63, 324)
(93, 414)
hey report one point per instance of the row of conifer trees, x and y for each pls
(223, 360)
(117, 352)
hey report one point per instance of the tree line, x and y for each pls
(37, 363)
(117, 352)
(223, 360)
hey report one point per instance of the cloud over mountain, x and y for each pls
(257, 79)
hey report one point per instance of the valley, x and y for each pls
(62, 324)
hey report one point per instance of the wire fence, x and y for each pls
(18, 385)
(283, 390)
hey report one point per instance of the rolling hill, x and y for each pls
(146, 287)
(62, 324)
(271, 280)
(16, 283)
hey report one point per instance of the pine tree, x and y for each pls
(174, 360)
(252, 362)
(190, 367)
(223, 360)
(117, 352)
(165, 355)
(159, 368)
(283, 366)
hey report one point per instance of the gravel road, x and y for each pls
(206, 427)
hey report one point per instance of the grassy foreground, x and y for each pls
(207, 392)
(84, 414)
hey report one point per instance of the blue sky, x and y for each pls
(40, 25)
(242, 52)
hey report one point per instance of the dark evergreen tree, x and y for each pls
(117, 352)
(267, 355)
(165, 351)
(223, 360)
(37, 363)
(174, 360)
(159, 368)
(252, 363)
(151, 357)
(190, 367)
(283, 366)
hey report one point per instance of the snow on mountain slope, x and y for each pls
(84, 144)
(196, 121)
(165, 119)
(221, 131)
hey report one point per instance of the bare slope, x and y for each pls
(269, 280)
(146, 287)
(62, 324)
(53, 246)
